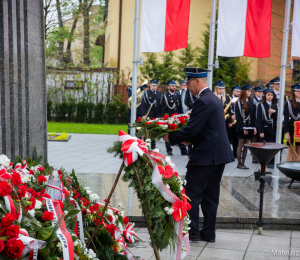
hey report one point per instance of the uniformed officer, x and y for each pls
(257, 98)
(221, 94)
(183, 91)
(275, 85)
(211, 151)
(189, 99)
(171, 104)
(152, 97)
(233, 139)
(129, 94)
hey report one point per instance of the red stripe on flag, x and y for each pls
(177, 24)
(258, 28)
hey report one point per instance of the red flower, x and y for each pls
(60, 172)
(7, 220)
(182, 121)
(16, 178)
(180, 209)
(111, 230)
(165, 117)
(139, 119)
(110, 218)
(2, 245)
(166, 171)
(42, 178)
(5, 189)
(175, 174)
(172, 126)
(175, 114)
(61, 204)
(31, 172)
(12, 231)
(84, 211)
(41, 169)
(22, 190)
(33, 201)
(153, 118)
(46, 195)
(47, 216)
(68, 180)
(126, 220)
(15, 248)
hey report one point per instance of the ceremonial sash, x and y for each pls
(80, 232)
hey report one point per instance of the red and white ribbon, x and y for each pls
(129, 233)
(9, 204)
(4, 174)
(80, 232)
(62, 233)
(19, 167)
(131, 147)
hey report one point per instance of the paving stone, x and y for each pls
(222, 253)
(261, 256)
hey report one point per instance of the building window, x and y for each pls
(296, 71)
(69, 84)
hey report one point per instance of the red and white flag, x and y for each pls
(296, 30)
(244, 28)
(165, 25)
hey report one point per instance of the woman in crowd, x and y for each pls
(267, 118)
(292, 114)
(245, 125)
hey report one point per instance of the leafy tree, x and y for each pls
(186, 59)
(151, 67)
(168, 68)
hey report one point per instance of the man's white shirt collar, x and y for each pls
(201, 91)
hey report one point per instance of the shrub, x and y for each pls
(81, 112)
(49, 109)
(90, 112)
(98, 113)
(111, 113)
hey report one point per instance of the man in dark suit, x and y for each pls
(211, 151)
(189, 99)
(129, 94)
(275, 85)
(171, 104)
(151, 97)
(183, 91)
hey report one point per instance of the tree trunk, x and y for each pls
(86, 31)
(61, 41)
(68, 57)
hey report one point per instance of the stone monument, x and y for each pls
(22, 78)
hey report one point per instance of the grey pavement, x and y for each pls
(233, 244)
(86, 153)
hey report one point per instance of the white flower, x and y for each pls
(184, 182)
(166, 209)
(156, 150)
(75, 243)
(172, 164)
(4, 160)
(171, 121)
(181, 187)
(87, 188)
(120, 205)
(122, 214)
(31, 212)
(170, 211)
(38, 204)
(88, 191)
(168, 159)
(66, 212)
(94, 197)
(91, 254)
(148, 140)
(168, 186)
(121, 228)
(164, 126)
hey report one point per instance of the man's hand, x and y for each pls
(271, 111)
(233, 117)
(185, 143)
(287, 137)
(230, 125)
(262, 135)
(255, 131)
(166, 137)
(144, 117)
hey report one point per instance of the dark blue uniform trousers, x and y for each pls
(203, 188)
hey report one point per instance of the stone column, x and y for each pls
(22, 79)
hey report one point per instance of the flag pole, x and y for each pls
(211, 50)
(282, 79)
(135, 64)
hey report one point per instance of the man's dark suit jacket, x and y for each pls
(207, 130)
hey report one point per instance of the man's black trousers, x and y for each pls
(203, 188)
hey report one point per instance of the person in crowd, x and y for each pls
(275, 85)
(232, 135)
(266, 118)
(189, 99)
(221, 94)
(211, 151)
(257, 98)
(245, 124)
(291, 115)
(151, 103)
(171, 104)
(183, 91)
(129, 94)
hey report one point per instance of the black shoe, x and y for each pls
(268, 172)
(194, 238)
(270, 165)
(170, 153)
(254, 161)
(184, 153)
(207, 240)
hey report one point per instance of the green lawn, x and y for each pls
(81, 128)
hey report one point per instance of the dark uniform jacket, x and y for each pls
(229, 119)
(277, 98)
(265, 122)
(288, 119)
(129, 94)
(206, 129)
(169, 101)
(147, 100)
(189, 99)
(250, 122)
